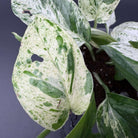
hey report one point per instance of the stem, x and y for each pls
(44, 133)
(101, 82)
(91, 51)
(95, 23)
(107, 28)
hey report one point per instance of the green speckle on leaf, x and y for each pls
(47, 88)
(28, 61)
(88, 84)
(29, 73)
(18, 63)
(28, 51)
(71, 67)
(108, 1)
(47, 104)
(134, 43)
(61, 120)
(54, 110)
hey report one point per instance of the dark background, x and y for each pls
(14, 122)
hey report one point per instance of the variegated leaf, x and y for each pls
(100, 37)
(126, 32)
(125, 57)
(117, 117)
(99, 10)
(62, 12)
(50, 77)
(110, 22)
(86, 123)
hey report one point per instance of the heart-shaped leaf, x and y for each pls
(125, 58)
(65, 13)
(117, 117)
(50, 77)
(99, 10)
(126, 32)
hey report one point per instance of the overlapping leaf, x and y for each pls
(99, 10)
(50, 77)
(125, 58)
(62, 12)
(100, 37)
(126, 32)
(84, 126)
(117, 117)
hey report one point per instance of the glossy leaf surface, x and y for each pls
(125, 58)
(126, 32)
(99, 10)
(117, 117)
(62, 12)
(50, 77)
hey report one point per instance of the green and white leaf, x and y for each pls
(110, 22)
(65, 13)
(117, 117)
(48, 90)
(86, 123)
(100, 37)
(125, 57)
(19, 38)
(126, 32)
(98, 10)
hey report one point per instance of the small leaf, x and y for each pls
(99, 10)
(65, 13)
(101, 38)
(84, 127)
(126, 32)
(125, 58)
(117, 117)
(19, 38)
(49, 88)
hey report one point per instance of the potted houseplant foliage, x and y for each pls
(50, 77)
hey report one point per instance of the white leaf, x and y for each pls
(126, 32)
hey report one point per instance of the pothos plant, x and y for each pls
(59, 82)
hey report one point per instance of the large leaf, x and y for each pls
(99, 10)
(62, 12)
(125, 58)
(84, 127)
(126, 32)
(117, 117)
(50, 77)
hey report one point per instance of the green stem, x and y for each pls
(101, 82)
(95, 23)
(91, 51)
(107, 28)
(44, 133)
